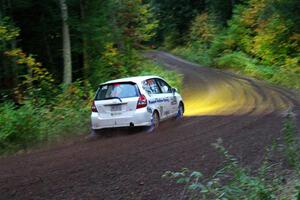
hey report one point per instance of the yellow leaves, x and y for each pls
(3, 30)
(230, 43)
(262, 25)
(37, 72)
(13, 53)
(295, 37)
(250, 17)
(295, 41)
(203, 29)
(136, 21)
(8, 32)
(111, 55)
(110, 51)
(292, 65)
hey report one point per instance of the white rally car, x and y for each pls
(135, 101)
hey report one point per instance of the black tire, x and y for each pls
(154, 122)
(180, 111)
(155, 119)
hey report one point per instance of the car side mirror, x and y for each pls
(174, 90)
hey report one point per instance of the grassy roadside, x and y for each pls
(240, 63)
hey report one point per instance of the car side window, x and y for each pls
(165, 87)
(151, 86)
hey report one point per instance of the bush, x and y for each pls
(70, 114)
(20, 127)
(195, 52)
(29, 124)
(114, 63)
(204, 28)
(172, 39)
(239, 61)
(286, 79)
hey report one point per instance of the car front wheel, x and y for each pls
(180, 111)
(155, 120)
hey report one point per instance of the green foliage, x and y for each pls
(8, 32)
(204, 29)
(114, 63)
(260, 41)
(29, 124)
(171, 39)
(20, 127)
(175, 18)
(110, 45)
(136, 21)
(35, 82)
(194, 52)
(202, 32)
(222, 9)
(239, 61)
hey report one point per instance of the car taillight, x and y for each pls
(94, 108)
(142, 102)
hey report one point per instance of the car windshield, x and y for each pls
(117, 90)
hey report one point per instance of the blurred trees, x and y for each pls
(174, 18)
(66, 42)
(263, 30)
(106, 35)
(87, 39)
(260, 38)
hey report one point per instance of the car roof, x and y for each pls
(135, 79)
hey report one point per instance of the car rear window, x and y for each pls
(117, 90)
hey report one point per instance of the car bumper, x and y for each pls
(140, 117)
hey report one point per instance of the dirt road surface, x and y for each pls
(246, 114)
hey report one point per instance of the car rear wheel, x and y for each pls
(154, 122)
(180, 111)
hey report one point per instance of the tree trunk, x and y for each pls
(47, 45)
(86, 67)
(66, 43)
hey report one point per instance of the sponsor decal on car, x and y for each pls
(159, 100)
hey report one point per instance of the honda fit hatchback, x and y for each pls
(135, 101)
